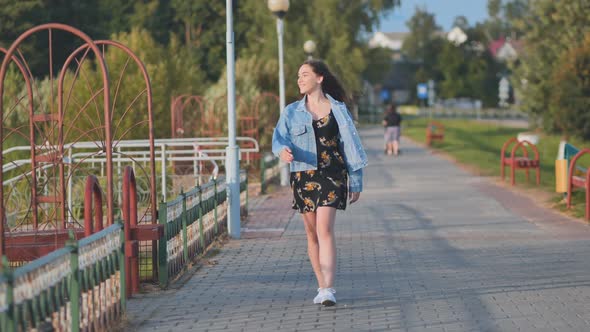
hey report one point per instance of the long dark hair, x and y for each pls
(330, 85)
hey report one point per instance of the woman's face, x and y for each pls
(307, 80)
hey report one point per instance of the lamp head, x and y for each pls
(309, 46)
(278, 7)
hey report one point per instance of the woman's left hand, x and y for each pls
(353, 197)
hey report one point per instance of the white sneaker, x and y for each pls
(318, 298)
(327, 297)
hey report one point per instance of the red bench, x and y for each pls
(434, 131)
(522, 162)
(578, 181)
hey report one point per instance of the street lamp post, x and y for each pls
(279, 8)
(232, 164)
(309, 48)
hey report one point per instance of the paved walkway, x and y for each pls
(427, 248)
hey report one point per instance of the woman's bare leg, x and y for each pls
(395, 147)
(313, 248)
(325, 217)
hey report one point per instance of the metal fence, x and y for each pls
(191, 222)
(489, 113)
(78, 287)
(375, 115)
(269, 170)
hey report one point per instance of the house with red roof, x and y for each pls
(505, 49)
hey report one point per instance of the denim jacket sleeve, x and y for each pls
(355, 181)
(280, 136)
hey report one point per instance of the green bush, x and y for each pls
(570, 98)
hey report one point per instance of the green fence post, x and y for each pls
(123, 272)
(74, 282)
(162, 246)
(201, 228)
(205, 206)
(246, 185)
(215, 202)
(8, 317)
(262, 171)
(184, 230)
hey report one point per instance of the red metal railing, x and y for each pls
(92, 193)
(577, 181)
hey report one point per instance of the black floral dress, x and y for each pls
(326, 186)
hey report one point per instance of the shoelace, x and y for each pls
(331, 290)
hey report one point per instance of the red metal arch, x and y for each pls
(52, 152)
(44, 241)
(26, 76)
(214, 121)
(150, 120)
(176, 119)
(187, 124)
(23, 70)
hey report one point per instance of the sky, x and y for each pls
(445, 12)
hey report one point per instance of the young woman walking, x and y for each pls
(317, 136)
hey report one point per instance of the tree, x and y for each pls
(423, 34)
(379, 64)
(503, 19)
(494, 7)
(467, 72)
(202, 27)
(187, 37)
(171, 71)
(16, 18)
(423, 45)
(461, 22)
(570, 98)
(551, 29)
(114, 16)
(155, 16)
(337, 27)
(514, 11)
(97, 18)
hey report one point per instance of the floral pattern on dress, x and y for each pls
(325, 159)
(328, 143)
(326, 186)
(320, 123)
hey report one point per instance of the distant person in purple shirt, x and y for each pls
(391, 121)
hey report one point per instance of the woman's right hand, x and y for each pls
(286, 155)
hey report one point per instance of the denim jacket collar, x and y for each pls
(333, 103)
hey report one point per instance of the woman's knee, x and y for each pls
(325, 235)
(325, 231)
(313, 239)
(311, 232)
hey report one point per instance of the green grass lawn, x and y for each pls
(478, 145)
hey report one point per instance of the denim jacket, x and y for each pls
(295, 130)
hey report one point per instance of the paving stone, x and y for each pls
(428, 247)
